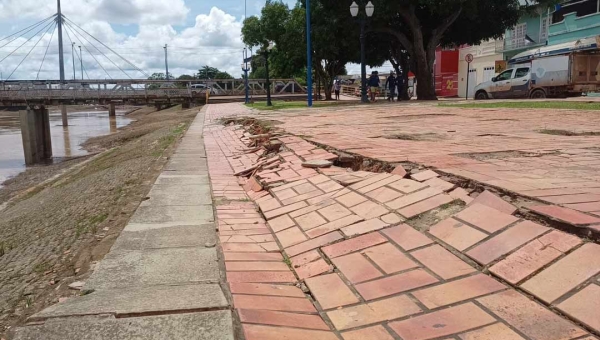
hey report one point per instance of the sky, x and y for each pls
(198, 32)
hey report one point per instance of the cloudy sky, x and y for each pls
(198, 32)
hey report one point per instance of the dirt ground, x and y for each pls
(57, 221)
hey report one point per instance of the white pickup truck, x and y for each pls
(553, 76)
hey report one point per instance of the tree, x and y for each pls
(420, 26)
(334, 35)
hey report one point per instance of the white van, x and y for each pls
(201, 89)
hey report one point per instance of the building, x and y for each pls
(481, 69)
(570, 21)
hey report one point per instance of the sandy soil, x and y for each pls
(57, 221)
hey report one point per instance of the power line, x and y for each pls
(102, 67)
(47, 48)
(84, 70)
(127, 61)
(38, 32)
(67, 24)
(29, 29)
(40, 39)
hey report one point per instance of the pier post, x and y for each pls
(35, 131)
(112, 111)
(63, 113)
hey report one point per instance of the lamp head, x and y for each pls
(369, 9)
(354, 9)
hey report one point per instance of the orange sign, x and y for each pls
(500, 66)
(449, 84)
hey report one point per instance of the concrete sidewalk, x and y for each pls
(161, 277)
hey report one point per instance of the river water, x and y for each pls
(65, 141)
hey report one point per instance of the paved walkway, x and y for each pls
(518, 150)
(326, 254)
(382, 256)
(161, 278)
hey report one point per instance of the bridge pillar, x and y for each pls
(63, 113)
(35, 131)
(112, 110)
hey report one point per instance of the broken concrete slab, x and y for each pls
(139, 300)
(155, 267)
(317, 164)
(493, 201)
(176, 215)
(399, 170)
(215, 325)
(424, 175)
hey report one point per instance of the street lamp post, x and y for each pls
(266, 53)
(73, 58)
(81, 60)
(245, 68)
(354, 11)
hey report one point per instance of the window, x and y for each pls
(504, 75)
(518, 36)
(580, 7)
(521, 72)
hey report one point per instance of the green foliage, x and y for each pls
(207, 72)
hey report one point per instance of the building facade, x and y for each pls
(568, 22)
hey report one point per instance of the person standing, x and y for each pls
(337, 87)
(400, 85)
(391, 85)
(374, 83)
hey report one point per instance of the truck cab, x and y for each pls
(514, 82)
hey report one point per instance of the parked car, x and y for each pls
(552, 76)
(198, 89)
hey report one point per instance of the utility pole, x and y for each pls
(167, 61)
(61, 62)
(73, 57)
(81, 59)
(308, 56)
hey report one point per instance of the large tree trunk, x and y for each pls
(425, 81)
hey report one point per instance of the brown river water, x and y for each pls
(65, 141)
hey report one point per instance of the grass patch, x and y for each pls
(169, 139)
(569, 133)
(282, 105)
(566, 105)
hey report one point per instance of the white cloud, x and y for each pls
(162, 12)
(213, 40)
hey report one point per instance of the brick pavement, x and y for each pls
(502, 148)
(332, 254)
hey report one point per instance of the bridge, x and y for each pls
(34, 95)
(139, 91)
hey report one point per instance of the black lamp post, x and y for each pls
(266, 54)
(354, 10)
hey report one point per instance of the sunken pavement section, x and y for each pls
(309, 250)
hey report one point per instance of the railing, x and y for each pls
(30, 91)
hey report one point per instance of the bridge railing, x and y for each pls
(23, 91)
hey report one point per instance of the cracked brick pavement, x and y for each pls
(334, 254)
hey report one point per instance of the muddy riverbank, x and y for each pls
(58, 220)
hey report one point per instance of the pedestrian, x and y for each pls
(391, 85)
(400, 85)
(374, 84)
(337, 87)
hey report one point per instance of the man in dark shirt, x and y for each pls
(391, 84)
(374, 84)
(400, 85)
